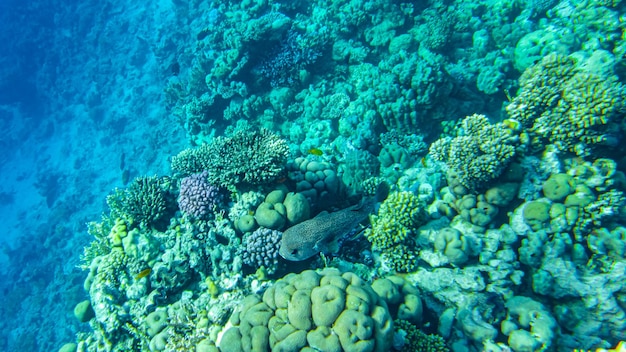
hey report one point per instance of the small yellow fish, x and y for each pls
(316, 151)
(508, 95)
(143, 273)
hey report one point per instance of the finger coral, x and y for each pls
(479, 153)
(568, 105)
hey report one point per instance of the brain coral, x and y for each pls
(314, 310)
(254, 157)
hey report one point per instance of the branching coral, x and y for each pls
(569, 106)
(479, 153)
(398, 215)
(146, 201)
(392, 229)
(415, 340)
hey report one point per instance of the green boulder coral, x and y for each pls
(529, 325)
(453, 245)
(558, 186)
(83, 311)
(315, 310)
(537, 214)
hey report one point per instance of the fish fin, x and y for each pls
(359, 232)
(329, 247)
(382, 191)
(362, 203)
(323, 212)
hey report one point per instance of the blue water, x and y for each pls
(86, 105)
(79, 87)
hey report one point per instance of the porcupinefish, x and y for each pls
(322, 233)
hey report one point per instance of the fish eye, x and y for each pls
(294, 252)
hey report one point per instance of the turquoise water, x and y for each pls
(447, 174)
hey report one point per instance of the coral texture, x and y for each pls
(325, 310)
(261, 249)
(479, 153)
(198, 198)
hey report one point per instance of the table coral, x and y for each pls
(254, 157)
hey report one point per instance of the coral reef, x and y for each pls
(509, 234)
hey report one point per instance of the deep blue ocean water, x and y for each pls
(72, 102)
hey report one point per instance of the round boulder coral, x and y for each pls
(320, 310)
(558, 186)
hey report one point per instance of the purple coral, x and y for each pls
(261, 249)
(198, 198)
